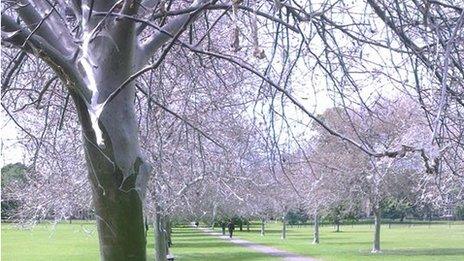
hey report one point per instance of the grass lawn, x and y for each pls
(79, 241)
(400, 242)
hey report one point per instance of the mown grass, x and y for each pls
(190, 244)
(400, 242)
(79, 242)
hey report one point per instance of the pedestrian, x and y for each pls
(231, 228)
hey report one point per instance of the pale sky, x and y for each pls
(10, 151)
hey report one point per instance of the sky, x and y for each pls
(10, 151)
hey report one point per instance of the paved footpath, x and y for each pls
(286, 256)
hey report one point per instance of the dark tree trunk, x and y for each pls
(168, 231)
(120, 226)
(263, 232)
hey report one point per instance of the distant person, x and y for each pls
(231, 228)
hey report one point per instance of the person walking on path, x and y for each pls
(231, 228)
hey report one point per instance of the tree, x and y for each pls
(12, 175)
(98, 71)
(99, 48)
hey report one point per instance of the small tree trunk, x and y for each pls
(262, 227)
(316, 228)
(146, 225)
(223, 227)
(160, 238)
(248, 225)
(338, 226)
(213, 220)
(284, 228)
(377, 222)
(168, 232)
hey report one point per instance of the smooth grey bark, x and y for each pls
(377, 223)
(263, 227)
(316, 228)
(118, 202)
(117, 169)
(284, 228)
(213, 219)
(161, 242)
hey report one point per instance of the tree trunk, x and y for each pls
(376, 246)
(213, 219)
(120, 226)
(160, 238)
(168, 232)
(118, 208)
(117, 172)
(284, 228)
(316, 228)
(262, 227)
(248, 225)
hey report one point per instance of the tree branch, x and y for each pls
(19, 37)
(46, 26)
(153, 43)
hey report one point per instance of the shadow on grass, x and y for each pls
(238, 255)
(421, 252)
(178, 235)
(204, 245)
(258, 231)
(347, 243)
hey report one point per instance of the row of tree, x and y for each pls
(158, 110)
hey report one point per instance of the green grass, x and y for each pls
(400, 242)
(79, 242)
(192, 245)
(46, 242)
